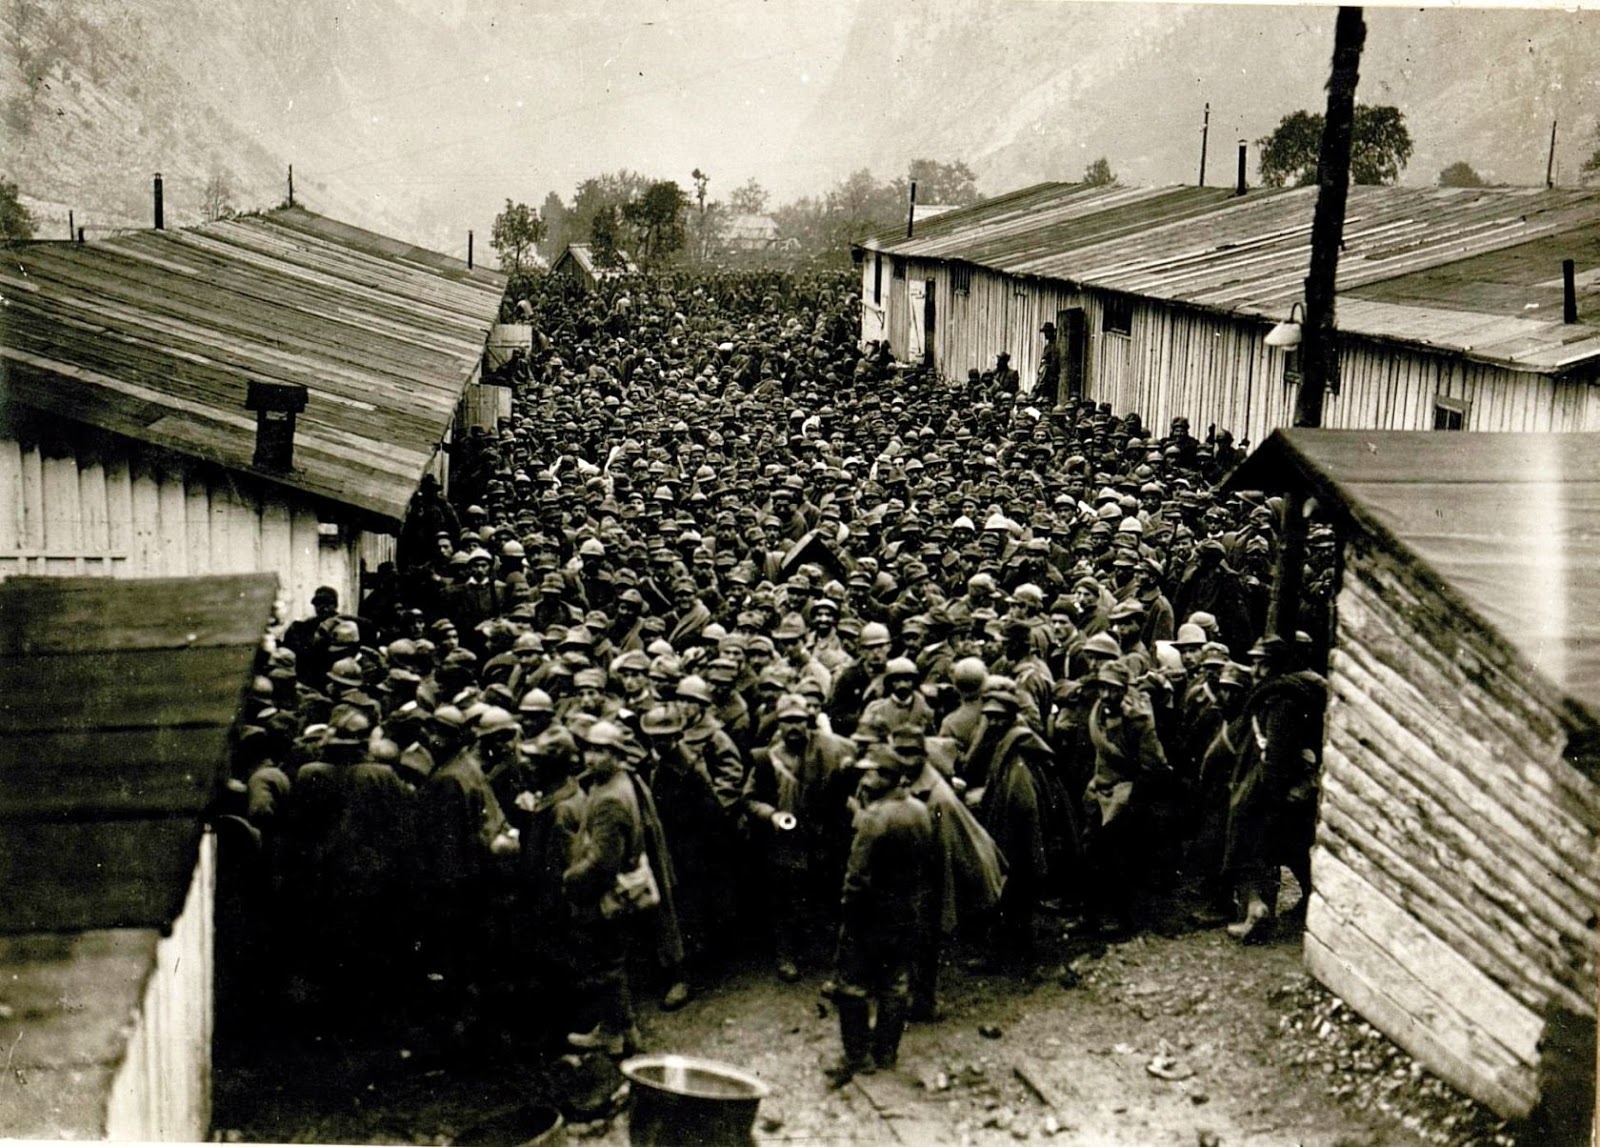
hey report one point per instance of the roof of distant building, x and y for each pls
(1475, 271)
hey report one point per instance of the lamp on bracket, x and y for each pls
(1287, 333)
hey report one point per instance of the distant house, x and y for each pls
(746, 232)
(1456, 872)
(262, 393)
(119, 697)
(1450, 307)
(578, 263)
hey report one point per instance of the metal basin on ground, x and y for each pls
(679, 1099)
(527, 1125)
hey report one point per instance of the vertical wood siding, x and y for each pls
(162, 1089)
(1457, 861)
(115, 510)
(1213, 368)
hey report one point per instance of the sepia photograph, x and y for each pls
(752, 572)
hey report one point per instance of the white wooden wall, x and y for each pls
(118, 511)
(162, 1089)
(1210, 368)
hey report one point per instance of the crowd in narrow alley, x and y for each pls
(741, 638)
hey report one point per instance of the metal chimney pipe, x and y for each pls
(1240, 188)
(911, 211)
(1569, 291)
(161, 215)
(469, 250)
(72, 224)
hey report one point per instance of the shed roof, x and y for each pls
(750, 227)
(1508, 524)
(155, 334)
(116, 698)
(583, 255)
(1483, 256)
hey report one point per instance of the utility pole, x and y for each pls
(1318, 346)
(701, 179)
(1205, 132)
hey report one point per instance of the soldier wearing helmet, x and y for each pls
(458, 820)
(862, 681)
(793, 801)
(1010, 777)
(902, 706)
(610, 841)
(884, 914)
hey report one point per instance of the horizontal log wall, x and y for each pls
(1210, 367)
(1457, 867)
(68, 508)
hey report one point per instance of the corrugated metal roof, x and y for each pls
(116, 698)
(154, 335)
(1249, 255)
(1508, 523)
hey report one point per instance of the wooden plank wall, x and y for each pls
(1457, 863)
(162, 1090)
(503, 339)
(116, 509)
(1215, 369)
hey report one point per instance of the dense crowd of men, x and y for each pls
(738, 636)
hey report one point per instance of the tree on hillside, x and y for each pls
(216, 201)
(948, 183)
(748, 199)
(1460, 174)
(1380, 146)
(1099, 174)
(16, 222)
(858, 206)
(604, 229)
(517, 231)
(553, 214)
(614, 190)
(1590, 171)
(657, 220)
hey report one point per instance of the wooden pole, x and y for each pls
(1205, 132)
(1318, 346)
(1550, 163)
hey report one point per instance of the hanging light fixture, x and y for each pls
(1287, 334)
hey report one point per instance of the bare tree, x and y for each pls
(216, 202)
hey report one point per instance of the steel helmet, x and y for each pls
(694, 688)
(900, 667)
(605, 735)
(536, 701)
(495, 721)
(874, 633)
(346, 671)
(969, 674)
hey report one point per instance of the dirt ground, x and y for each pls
(1189, 1039)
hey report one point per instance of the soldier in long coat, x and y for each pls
(883, 915)
(794, 806)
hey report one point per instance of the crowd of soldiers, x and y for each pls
(738, 636)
